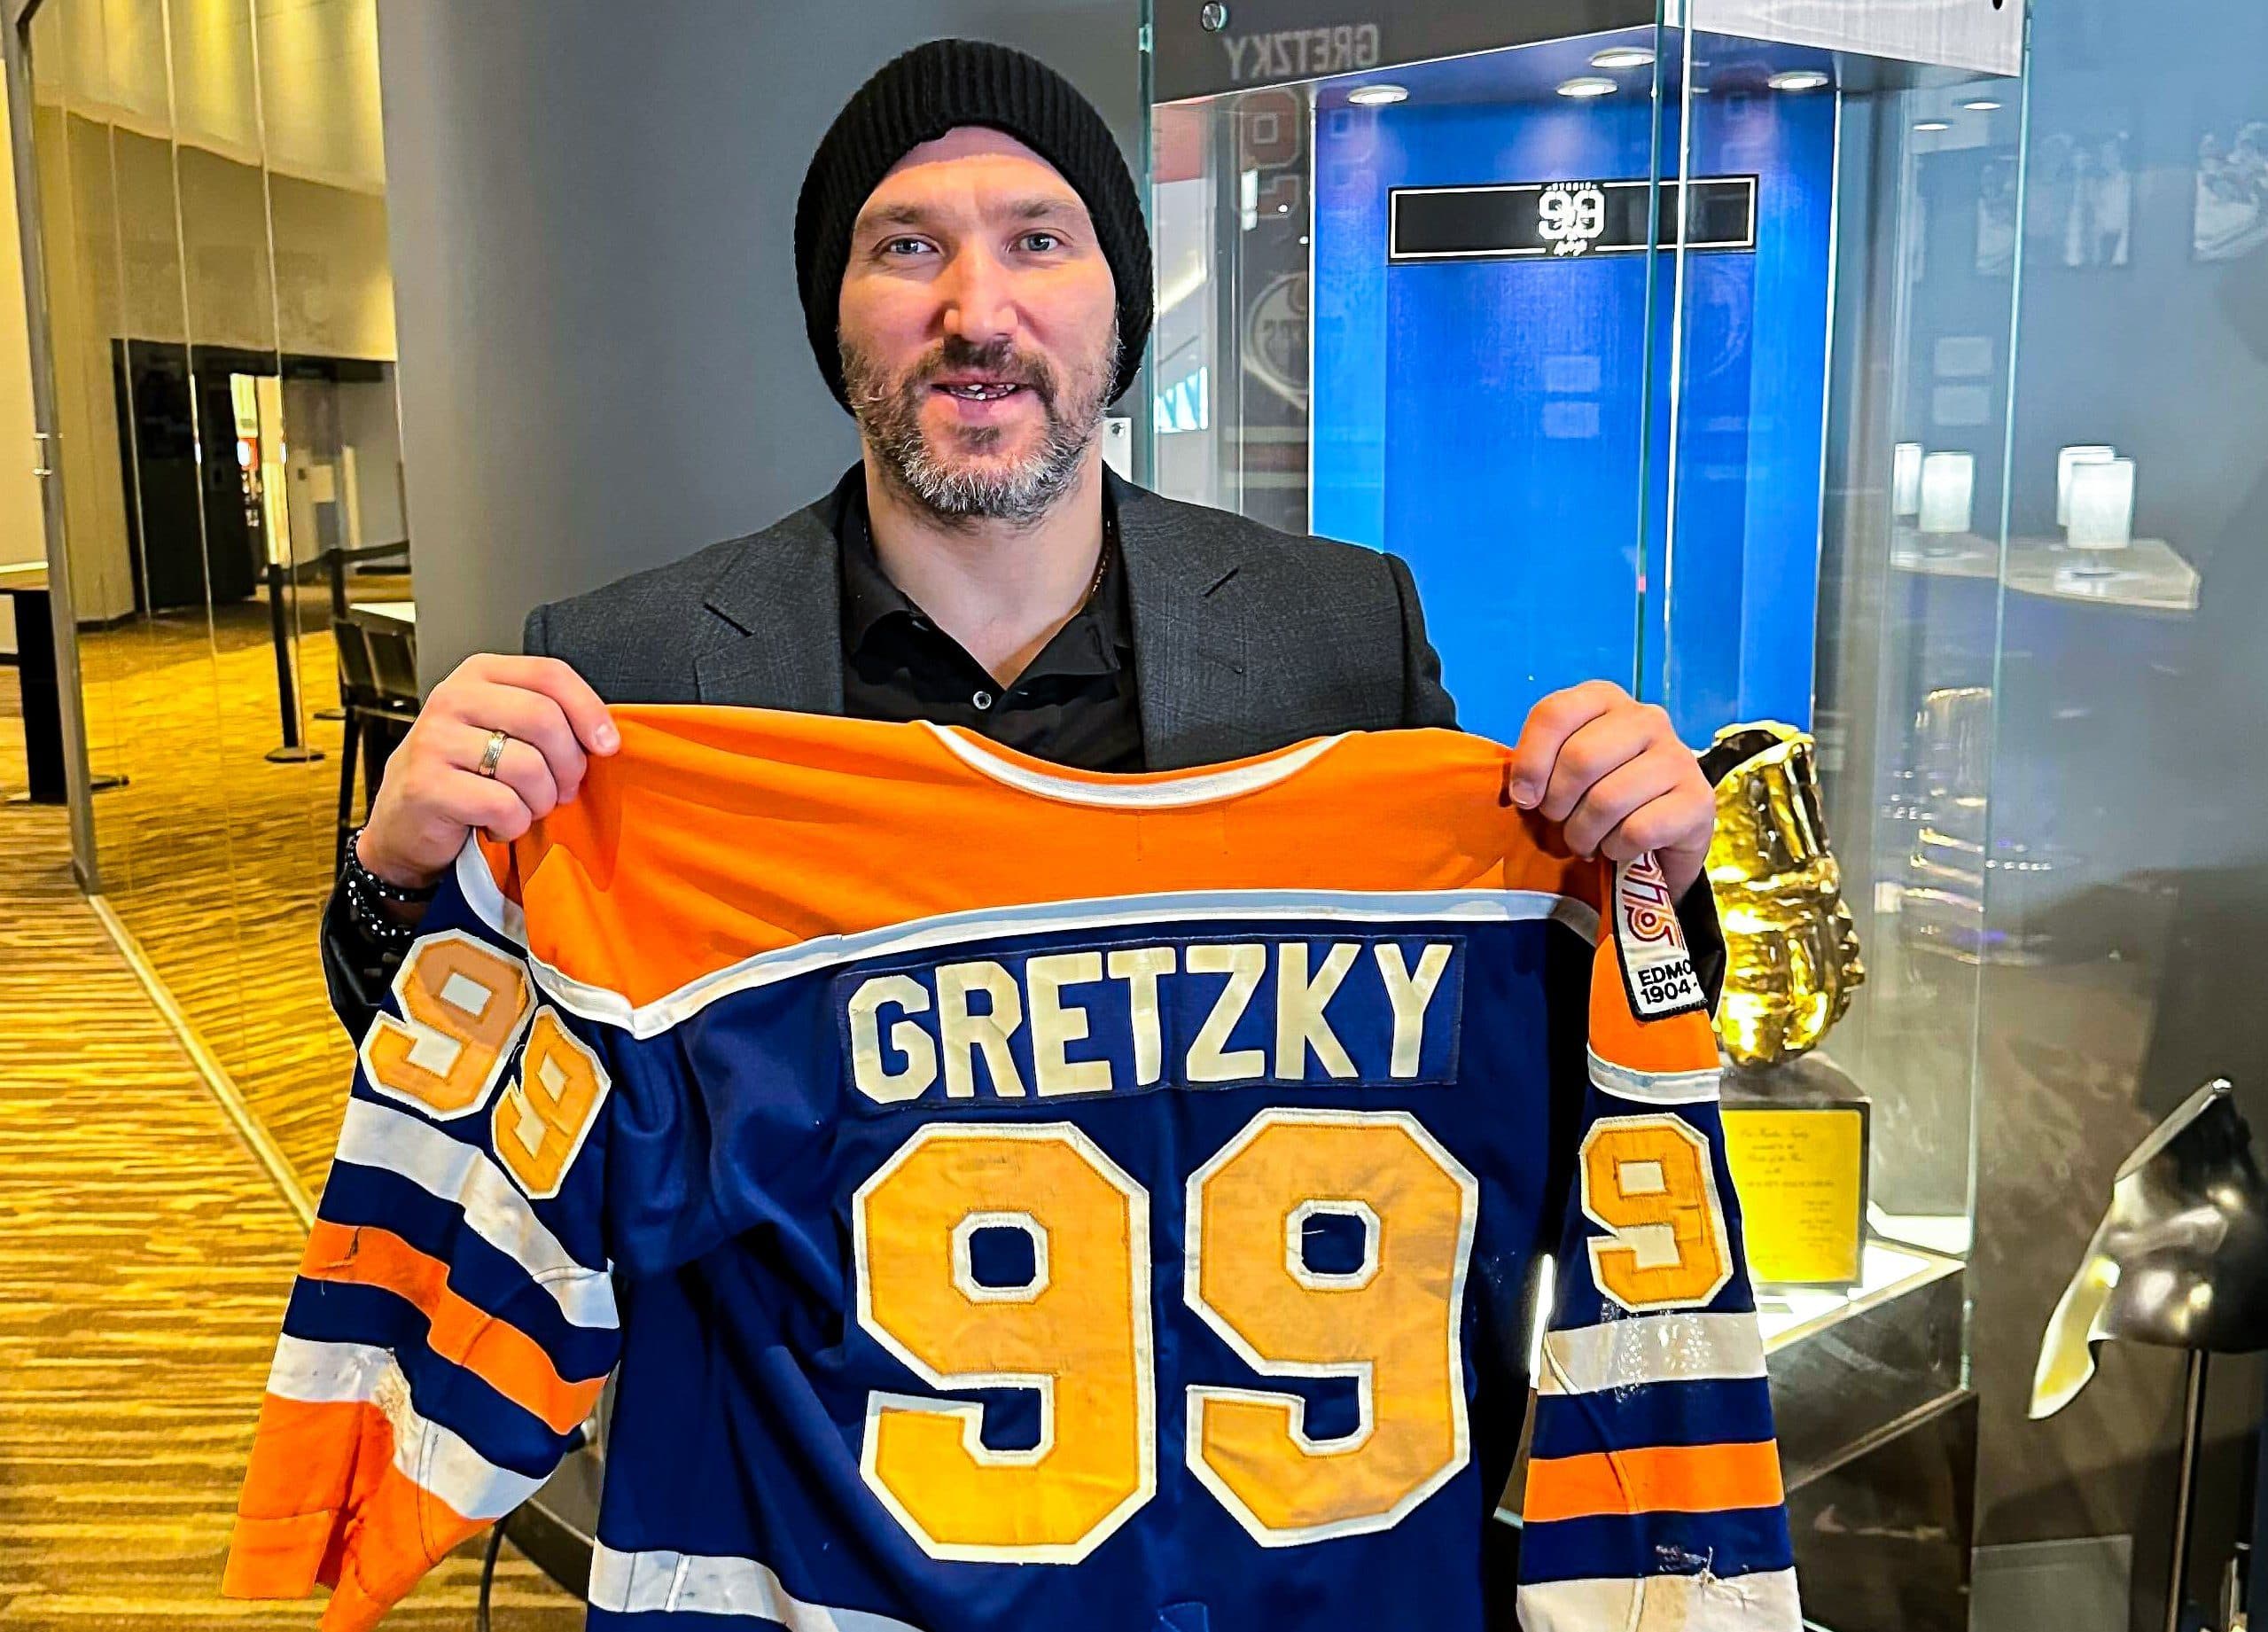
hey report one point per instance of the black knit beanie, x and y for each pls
(937, 88)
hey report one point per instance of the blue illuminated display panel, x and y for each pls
(1480, 414)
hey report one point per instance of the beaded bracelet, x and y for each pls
(367, 895)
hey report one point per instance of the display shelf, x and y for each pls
(1888, 1271)
(2147, 575)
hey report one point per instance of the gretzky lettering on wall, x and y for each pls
(1299, 53)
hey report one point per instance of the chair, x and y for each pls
(334, 569)
(378, 686)
(394, 658)
(334, 566)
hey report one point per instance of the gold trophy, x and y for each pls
(1796, 1125)
(1791, 951)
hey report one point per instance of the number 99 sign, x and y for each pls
(1570, 218)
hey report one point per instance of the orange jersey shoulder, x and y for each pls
(717, 834)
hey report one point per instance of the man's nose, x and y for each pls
(978, 307)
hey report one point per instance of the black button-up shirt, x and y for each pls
(1075, 704)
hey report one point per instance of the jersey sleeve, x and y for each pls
(452, 1320)
(1654, 1493)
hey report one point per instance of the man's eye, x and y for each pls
(1041, 243)
(905, 246)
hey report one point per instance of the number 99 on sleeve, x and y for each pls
(1647, 1182)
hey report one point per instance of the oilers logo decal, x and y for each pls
(1657, 970)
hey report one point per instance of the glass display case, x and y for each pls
(1681, 358)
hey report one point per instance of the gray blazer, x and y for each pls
(1246, 639)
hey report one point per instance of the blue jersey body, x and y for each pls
(1148, 1261)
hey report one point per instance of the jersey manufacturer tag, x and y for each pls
(1657, 971)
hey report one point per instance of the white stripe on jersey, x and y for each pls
(497, 909)
(325, 1373)
(433, 1458)
(376, 1135)
(666, 1583)
(1651, 1349)
(1764, 1601)
(429, 1456)
(1655, 1088)
(1185, 906)
(1171, 793)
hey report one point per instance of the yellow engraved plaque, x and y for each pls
(1801, 1173)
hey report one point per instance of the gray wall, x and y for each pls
(592, 218)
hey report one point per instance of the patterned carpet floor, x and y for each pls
(146, 1253)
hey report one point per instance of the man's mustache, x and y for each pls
(999, 360)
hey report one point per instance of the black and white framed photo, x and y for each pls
(2081, 212)
(2232, 209)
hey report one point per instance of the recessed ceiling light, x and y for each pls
(1623, 56)
(1797, 79)
(1377, 96)
(1983, 104)
(1586, 85)
(1931, 124)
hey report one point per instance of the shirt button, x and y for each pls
(983, 700)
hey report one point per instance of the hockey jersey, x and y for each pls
(1010, 1197)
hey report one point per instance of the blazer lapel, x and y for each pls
(783, 598)
(1191, 635)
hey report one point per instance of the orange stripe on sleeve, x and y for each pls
(500, 1353)
(323, 1503)
(400, 1533)
(1663, 1478)
(306, 1459)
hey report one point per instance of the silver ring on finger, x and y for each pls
(497, 740)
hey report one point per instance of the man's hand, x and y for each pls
(1611, 770)
(433, 794)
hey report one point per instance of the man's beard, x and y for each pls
(889, 415)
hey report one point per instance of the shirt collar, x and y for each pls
(869, 597)
(1098, 640)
